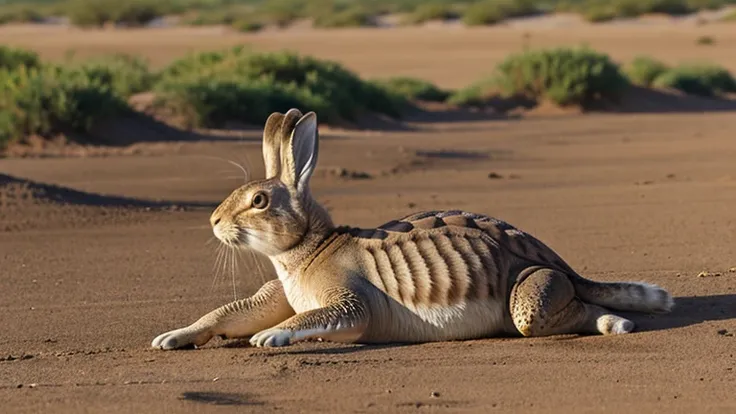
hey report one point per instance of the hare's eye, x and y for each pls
(260, 200)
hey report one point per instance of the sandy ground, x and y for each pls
(642, 197)
(85, 287)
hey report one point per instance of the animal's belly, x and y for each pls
(476, 319)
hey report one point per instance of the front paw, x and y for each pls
(272, 337)
(181, 338)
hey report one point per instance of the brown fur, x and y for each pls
(430, 276)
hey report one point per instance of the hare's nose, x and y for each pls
(214, 220)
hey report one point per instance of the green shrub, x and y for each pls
(670, 7)
(50, 100)
(495, 11)
(13, 58)
(643, 70)
(698, 79)
(349, 17)
(281, 12)
(599, 14)
(564, 76)
(247, 25)
(430, 11)
(212, 87)
(413, 89)
(705, 40)
(99, 12)
(21, 14)
(476, 94)
(125, 75)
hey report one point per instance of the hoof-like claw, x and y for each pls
(272, 337)
(180, 339)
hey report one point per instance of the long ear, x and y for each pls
(272, 144)
(278, 126)
(300, 150)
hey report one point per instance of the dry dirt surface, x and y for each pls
(88, 279)
(99, 254)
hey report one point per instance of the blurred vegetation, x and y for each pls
(697, 79)
(564, 76)
(251, 15)
(214, 88)
(50, 99)
(413, 89)
(643, 70)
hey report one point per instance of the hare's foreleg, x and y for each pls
(242, 318)
(344, 318)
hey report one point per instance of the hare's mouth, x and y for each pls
(227, 233)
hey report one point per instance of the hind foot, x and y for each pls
(544, 303)
(608, 324)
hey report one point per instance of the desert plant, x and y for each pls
(247, 25)
(565, 76)
(21, 14)
(13, 58)
(212, 83)
(477, 93)
(494, 11)
(430, 11)
(413, 89)
(124, 74)
(644, 70)
(99, 12)
(346, 17)
(599, 14)
(698, 79)
(705, 40)
(51, 99)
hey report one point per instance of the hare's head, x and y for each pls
(274, 215)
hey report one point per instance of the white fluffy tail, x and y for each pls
(624, 296)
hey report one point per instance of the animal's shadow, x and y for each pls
(219, 398)
(688, 310)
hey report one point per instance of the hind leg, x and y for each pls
(544, 303)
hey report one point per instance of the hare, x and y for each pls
(429, 276)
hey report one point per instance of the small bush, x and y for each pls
(50, 100)
(281, 12)
(96, 13)
(413, 89)
(492, 12)
(643, 70)
(476, 94)
(13, 58)
(705, 41)
(599, 14)
(217, 86)
(247, 25)
(350, 17)
(430, 11)
(564, 76)
(20, 14)
(698, 79)
(125, 75)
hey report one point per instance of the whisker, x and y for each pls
(245, 172)
(216, 266)
(232, 272)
